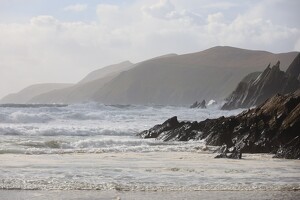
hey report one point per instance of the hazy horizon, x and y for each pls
(62, 41)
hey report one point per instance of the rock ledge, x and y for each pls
(273, 127)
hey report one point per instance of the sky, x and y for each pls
(44, 41)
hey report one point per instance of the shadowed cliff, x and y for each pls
(255, 88)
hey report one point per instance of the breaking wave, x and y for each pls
(90, 127)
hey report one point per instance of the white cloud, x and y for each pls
(215, 18)
(108, 14)
(164, 9)
(297, 45)
(253, 33)
(76, 7)
(44, 20)
(219, 5)
(159, 10)
(107, 9)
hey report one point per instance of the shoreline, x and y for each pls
(101, 195)
(152, 171)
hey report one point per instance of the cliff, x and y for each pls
(254, 90)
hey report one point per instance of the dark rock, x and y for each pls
(272, 127)
(199, 105)
(232, 153)
(185, 132)
(194, 105)
(291, 150)
(202, 104)
(154, 132)
(254, 89)
(294, 69)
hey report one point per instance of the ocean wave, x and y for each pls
(64, 131)
(112, 144)
(92, 127)
(10, 131)
(12, 105)
(62, 184)
(106, 113)
(85, 116)
(23, 117)
(53, 144)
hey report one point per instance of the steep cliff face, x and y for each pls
(254, 90)
(294, 68)
(272, 127)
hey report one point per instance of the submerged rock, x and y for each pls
(199, 105)
(202, 104)
(194, 105)
(232, 153)
(272, 127)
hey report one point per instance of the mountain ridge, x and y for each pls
(170, 79)
(24, 95)
(162, 86)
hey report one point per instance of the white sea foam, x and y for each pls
(90, 127)
(100, 144)
(164, 171)
(93, 146)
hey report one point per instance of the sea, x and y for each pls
(91, 151)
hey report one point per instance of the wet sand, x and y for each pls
(170, 195)
(153, 175)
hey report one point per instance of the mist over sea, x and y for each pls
(93, 147)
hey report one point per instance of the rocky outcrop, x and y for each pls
(254, 90)
(199, 105)
(272, 127)
(170, 124)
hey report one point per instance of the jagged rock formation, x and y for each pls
(254, 90)
(199, 105)
(272, 127)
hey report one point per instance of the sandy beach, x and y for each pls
(114, 195)
(173, 175)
